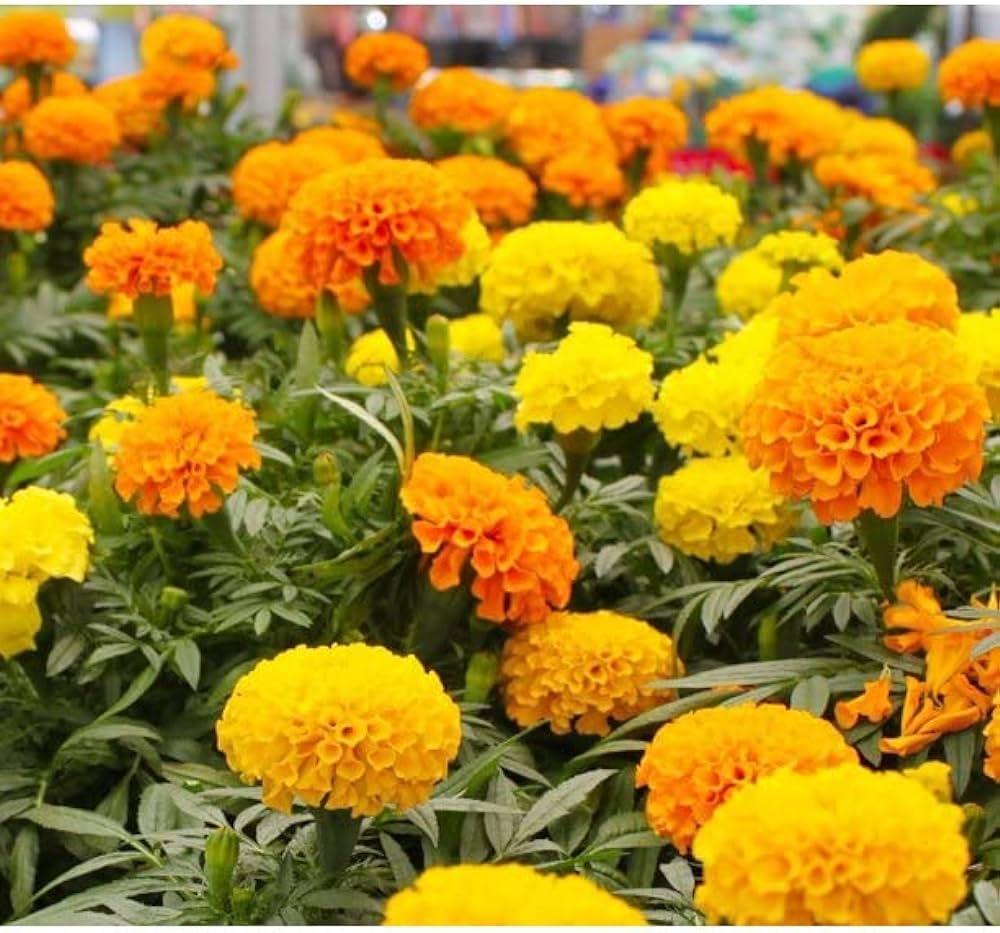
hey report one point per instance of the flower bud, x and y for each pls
(222, 851)
(173, 597)
(481, 676)
(438, 341)
(326, 470)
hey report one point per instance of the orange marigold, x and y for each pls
(646, 125)
(184, 450)
(30, 418)
(71, 129)
(460, 99)
(583, 180)
(872, 704)
(26, 201)
(139, 258)
(34, 38)
(276, 282)
(521, 555)
(991, 766)
(345, 119)
(138, 111)
(697, 762)
(970, 73)
(394, 56)
(503, 194)
(366, 215)
(165, 82)
(886, 180)
(16, 100)
(878, 136)
(349, 145)
(832, 422)
(186, 41)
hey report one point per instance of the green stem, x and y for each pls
(390, 304)
(336, 835)
(330, 324)
(578, 448)
(881, 538)
(154, 316)
(382, 92)
(991, 123)
(635, 170)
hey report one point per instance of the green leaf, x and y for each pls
(64, 652)
(21, 870)
(758, 672)
(138, 687)
(403, 872)
(987, 896)
(558, 802)
(811, 694)
(98, 863)
(107, 730)
(187, 657)
(679, 876)
(78, 823)
(33, 469)
(960, 753)
(371, 422)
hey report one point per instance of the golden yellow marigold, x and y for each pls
(991, 766)
(831, 422)
(892, 65)
(585, 181)
(139, 258)
(878, 136)
(71, 129)
(506, 895)
(748, 284)
(521, 554)
(581, 670)
(369, 215)
(646, 125)
(970, 73)
(16, 100)
(688, 215)
(796, 250)
(138, 112)
(371, 355)
(20, 618)
(885, 180)
(979, 335)
(594, 379)
(342, 727)
(392, 56)
(971, 144)
(503, 195)
(34, 38)
(476, 337)
(840, 846)
(718, 508)
(935, 776)
(184, 450)
(349, 145)
(30, 418)
(165, 82)
(476, 246)
(275, 279)
(551, 271)
(186, 41)
(26, 200)
(459, 99)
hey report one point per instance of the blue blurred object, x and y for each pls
(841, 84)
(117, 50)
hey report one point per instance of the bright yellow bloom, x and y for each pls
(689, 215)
(970, 73)
(978, 336)
(956, 203)
(892, 65)
(841, 846)
(873, 704)
(935, 776)
(371, 355)
(748, 284)
(594, 379)
(878, 136)
(971, 144)
(463, 271)
(108, 429)
(20, 618)
(342, 727)
(476, 337)
(796, 250)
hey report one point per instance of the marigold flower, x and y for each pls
(20, 618)
(349, 145)
(581, 670)
(184, 450)
(969, 145)
(879, 136)
(476, 337)
(873, 704)
(520, 553)
(476, 246)
(583, 180)
(371, 355)
(796, 250)
(554, 270)
(979, 335)
(699, 760)
(506, 895)
(461, 100)
(646, 125)
(71, 129)
(276, 282)
(342, 727)
(594, 379)
(139, 258)
(34, 38)
(503, 195)
(885, 180)
(186, 41)
(26, 200)
(393, 56)
(30, 418)
(892, 65)
(832, 423)
(165, 83)
(108, 429)
(970, 73)
(689, 215)
(748, 284)
(345, 118)
(935, 776)
(138, 111)
(916, 613)
(16, 99)
(705, 164)
(842, 845)
(928, 714)
(991, 766)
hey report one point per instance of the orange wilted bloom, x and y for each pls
(349, 145)
(459, 99)
(971, 73)
(991, 766)
(926, 716)
(646, 124)
(186, 41)
(886, 180)
(26, 201)
(521, 555)
(583, 180)
(915, 615)
(139, 258)
(71, 129)
(502, 194)
(394, 56)
(833, 423)
(138, 111)
(873, 704)
(16, 100)
(366, 215)
(986, 668)
(30, 418)
(183, 450)
(34, 38)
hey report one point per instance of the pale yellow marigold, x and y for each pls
(390, 56)
(594, 379)
(342, 727)
(970, 73)
(17, 101)
(748, 284)
(506, 895)
(700, 760)
(349, 145)
(971, 144)
(689, 215)
(979, 336)
(584, 180)
(371, 355)
(30, 37)
(463, 271)
(579, 671)
(796, 250)
(885, 180)
(878, 136)
(459, 99)
(892, 65)
(552, 271)
(275, 279)
(840, 846)
(26, 200)
(186, 41)
(476, 337)
(719, 508)
(138, 112)
(71, 129)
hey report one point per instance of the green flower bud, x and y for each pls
(222, 851)
(173, 597)
(438, 341)
(481, 676)
(326, 470)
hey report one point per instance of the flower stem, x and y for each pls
(881, 538)
(154, 316)
(578, 447)
(337, 833)
(330, 324)
(390, 303)
(991, 123)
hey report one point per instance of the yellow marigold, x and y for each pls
(184, 450)
(165, 82)
(16, 100)
(503, 195)
(833, 423)
(188, 41)
(392, 56)
(139, 258)
(878, 136)
(594, 379)
(954, 202)
(349, 145)
(370, 356)
(342, 727)
(71, 129)
(699, 760)
(26, 200)
(519, 552)
(979, 335)
(583, 180)
(970, 73)
(549, 271)
(935, 776)
(34, 38)
(506, 895)
(276, 282)
(476, 337)
(30, 418)
(840, 846)
(476, 246)
(748, 284)
(991, 766)
(971, 144)
(20, 618)
(796, 250)
(646, 125)
(885, 180)
(581, 670)
(138, 112)
(718, 508)
(892, 65)
(689, 215)
(369, 215)
(459, 99)
(118, 414)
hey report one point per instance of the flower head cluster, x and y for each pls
(370, 356)
(186, 41)
(581, 670)
(689, 215)
(890, 181)
(520, 554)
(71, 129)
(342, 727)
(16, 99)
(699, 760)
(878, 136)
(390, 56)
(970, 73)
(969, 145)
(583, 180)
(26, 200)
(476, 337)
(649, 126)
(503, 195)
(840, 846)
(349, 145)
(185, 450)
(34, 38)
(460, 100)
(109, 428)
(718, 508)
(892, 65)
(979, 335)
(748, 284)
(138, 112)
(595, 379)
(506, 895)
(276, 282)
(796, 250)
(476, 247)
(554, 270)
(30, 418)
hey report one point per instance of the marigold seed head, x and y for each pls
(462, 101)
(26, 200)
(71, 129)
(689, 215)
(34, 38)
(30, 418)
(392, 56)
(503, 195)
(970, 73)
(892, 65)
